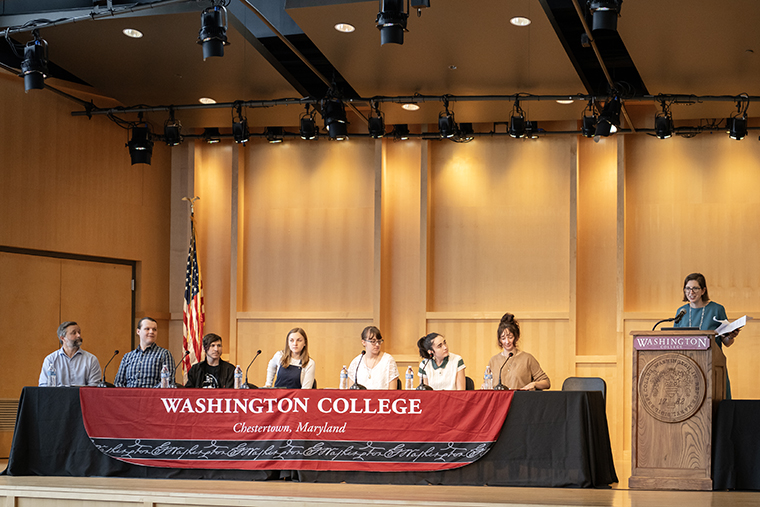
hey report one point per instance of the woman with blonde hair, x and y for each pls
(292, 366)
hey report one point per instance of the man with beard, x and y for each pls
(73, 366)
(213, 371)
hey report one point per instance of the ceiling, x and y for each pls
(455, 47)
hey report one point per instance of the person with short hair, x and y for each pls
(378, 369)
(142, 366)
(440, 369)
(213, 371)
(73, 366)
(292, 366)
(521, 371)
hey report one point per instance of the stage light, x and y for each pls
(213, 34)
(604, 14)
(609, 119)
(240, 131)
(308, 128)
(588, 126)
(376, 124)
(34, 66)
(172, 130)
(517, 121)
(446, 124)
(465, 133)
(736, 127)
(663, 123)
(273, 134)
(334, 115)
(391, 21)
(531, 129)
(400, 132)
(140, 145)
(211, 135)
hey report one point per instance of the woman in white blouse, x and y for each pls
(377, 369)
(292, 366)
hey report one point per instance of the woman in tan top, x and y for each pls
(522, 371)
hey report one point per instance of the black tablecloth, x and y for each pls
(552, 438)
(736, 445)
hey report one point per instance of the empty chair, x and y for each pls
(585, 384)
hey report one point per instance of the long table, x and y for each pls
(736, 446)
(550, 439)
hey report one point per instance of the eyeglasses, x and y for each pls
(692, 289)
(373, 342)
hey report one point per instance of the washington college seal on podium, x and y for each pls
(672, 388)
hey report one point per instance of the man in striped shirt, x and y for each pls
(142, 366)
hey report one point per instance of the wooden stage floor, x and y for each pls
(115, 492)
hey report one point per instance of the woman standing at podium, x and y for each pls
(701, 313)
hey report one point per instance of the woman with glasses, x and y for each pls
(377, 369)
(521, 371)
(701, 313)
(440, 369)
(292, 366)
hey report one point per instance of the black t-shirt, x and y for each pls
(211, 374)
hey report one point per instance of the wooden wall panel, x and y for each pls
(499, 218)
(332, 344)
(308, 227)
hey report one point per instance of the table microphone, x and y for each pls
(500, 386)
(103, 382)
(174, 373)
(423, 386)
(247, 385)
(675, 319)
(356, 384)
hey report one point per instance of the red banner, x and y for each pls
(294, 429)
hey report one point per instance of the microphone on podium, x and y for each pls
(103, 382)
(675, 319)
(500, 386)
(423, 386)
(356, 384)
(247, 385)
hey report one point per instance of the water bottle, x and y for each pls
(52, 377)
(343, 378)
(488, 379)
(165, 376)
(238, 377)
(409, 379)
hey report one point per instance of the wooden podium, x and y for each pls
(678, 379)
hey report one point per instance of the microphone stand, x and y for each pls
(675, 319)
(174, 373)
(423, 386)
(103, 382)
(500, 386)
(246, 385)
(357, 385)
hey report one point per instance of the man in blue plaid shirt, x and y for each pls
(142, 366)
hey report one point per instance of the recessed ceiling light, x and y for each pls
(520, 21)
(567, 101)
(345, 27)
(452, 67)
(206, 100)
(132, 32)
(410, 106)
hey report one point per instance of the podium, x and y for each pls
(679, 377)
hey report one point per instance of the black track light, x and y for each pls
(240, 131)
(446, 124)
(604, 14)
(211, 135)
(213, 34)
(663, 126)
(609, 119)
(466, 133)
(308, 128)
(736, 127)
(400, 132)
(391, 21)
(334, 114)
(376, 124)
(517, 121)
(531, 129)
(274, 134)
(140, 145)
(34, 66)
(172, 133)
(588, 126)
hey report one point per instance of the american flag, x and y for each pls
(194, 314)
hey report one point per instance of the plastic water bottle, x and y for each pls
(488, 379)
(343, 378)
(409, 379)
(165, 376)
(52, 377)
(238, 377)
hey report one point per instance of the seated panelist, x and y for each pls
(377, 369)
(440, 369)
(213, 371)
(142, 367)
(521, 371)
(292, 367)
(72, 365)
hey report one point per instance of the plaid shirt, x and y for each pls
(142, 368)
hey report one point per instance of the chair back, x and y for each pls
(585, 384)
(469, 385)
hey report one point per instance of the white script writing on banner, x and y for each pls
(288, 405)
